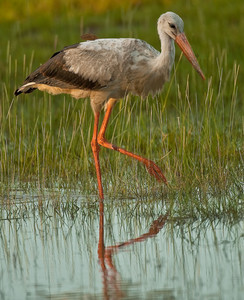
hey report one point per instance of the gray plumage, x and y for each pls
(108, 68)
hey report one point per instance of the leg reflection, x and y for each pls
(111, 277)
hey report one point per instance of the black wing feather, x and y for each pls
(55, 73)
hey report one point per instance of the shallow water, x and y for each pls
(59, 245)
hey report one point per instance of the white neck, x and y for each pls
(167, 56)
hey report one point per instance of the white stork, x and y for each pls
(106, 70)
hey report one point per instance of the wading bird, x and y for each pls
(106, 70)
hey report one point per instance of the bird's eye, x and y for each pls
(172, 25)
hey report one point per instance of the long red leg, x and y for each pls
(95, 150)
(152, 168)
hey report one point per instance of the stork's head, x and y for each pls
(171, 24)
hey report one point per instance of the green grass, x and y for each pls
(193, 130)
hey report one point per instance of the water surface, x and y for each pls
(60, 245)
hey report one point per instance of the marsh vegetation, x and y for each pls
(193, 130)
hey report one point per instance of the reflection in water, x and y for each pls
(68, 248)
(111, 277)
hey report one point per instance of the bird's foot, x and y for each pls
(155, 171)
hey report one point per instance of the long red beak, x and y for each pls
(185, 46)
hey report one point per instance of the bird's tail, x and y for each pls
(26, 88)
